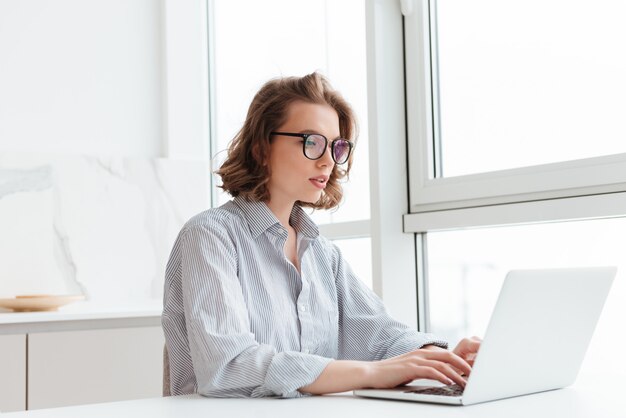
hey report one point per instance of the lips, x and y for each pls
(319, 181)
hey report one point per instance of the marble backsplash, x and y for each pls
(103, 227)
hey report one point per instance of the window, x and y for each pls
(499, 113)
(293, 38)
(529, 83)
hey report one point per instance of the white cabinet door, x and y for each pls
(12, 372)
(79, 367)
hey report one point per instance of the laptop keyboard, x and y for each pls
(453, 390)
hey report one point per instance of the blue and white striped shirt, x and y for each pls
(240, 321)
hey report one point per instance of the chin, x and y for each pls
(312, 199)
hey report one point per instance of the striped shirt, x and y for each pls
(241, 321)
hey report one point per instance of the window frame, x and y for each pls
(395, 254)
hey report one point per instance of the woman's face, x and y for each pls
(292, 175)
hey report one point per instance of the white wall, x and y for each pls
(112, 78)
(82, 77)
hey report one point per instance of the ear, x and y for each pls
(258, 154)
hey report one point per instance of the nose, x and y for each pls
(326, 159)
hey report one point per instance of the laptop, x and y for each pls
(536, 340)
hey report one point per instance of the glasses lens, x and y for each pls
(314, 146)
(341, 150)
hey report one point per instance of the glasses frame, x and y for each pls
(332, 145)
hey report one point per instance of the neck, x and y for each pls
(282, 210)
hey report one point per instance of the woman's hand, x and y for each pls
(426, 363)
(467, 349)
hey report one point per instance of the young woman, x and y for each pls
(257, 303)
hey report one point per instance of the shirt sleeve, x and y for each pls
(227, 360)
(366, 330)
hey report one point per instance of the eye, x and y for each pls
(341, 150)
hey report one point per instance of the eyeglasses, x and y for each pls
(314, 146)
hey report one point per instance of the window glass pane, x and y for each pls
(358, 253)
(292, 37)
(532, 82)
(467, 268)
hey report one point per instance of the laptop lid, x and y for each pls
(537, 336)
(539, 331)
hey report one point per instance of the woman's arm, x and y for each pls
(425, 363)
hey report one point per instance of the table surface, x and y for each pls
(590, 396)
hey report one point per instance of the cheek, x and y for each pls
(291, 162)
(285, 170)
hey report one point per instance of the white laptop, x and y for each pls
(536, 340)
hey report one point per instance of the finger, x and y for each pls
(426, 372)
(461, 372)
(449, 357)
(472, 346)
(467, 345)
(447, 370)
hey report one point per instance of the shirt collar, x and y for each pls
(302, 223)
(260, 218)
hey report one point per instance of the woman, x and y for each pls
(257, 303)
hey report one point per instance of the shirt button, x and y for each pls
(303, 308)
(306, 351)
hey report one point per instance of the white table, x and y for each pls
(590, 396)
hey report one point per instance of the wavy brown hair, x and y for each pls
(245, 173)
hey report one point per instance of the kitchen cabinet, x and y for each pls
(92, 366)
(53, 359)
(12, 372)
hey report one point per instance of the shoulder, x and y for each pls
(224, 216)
(326, 244)
(226, 220)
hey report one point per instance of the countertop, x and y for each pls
(83, 315)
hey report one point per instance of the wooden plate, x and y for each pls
(35, 303)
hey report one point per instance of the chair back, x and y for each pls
(166, 372)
